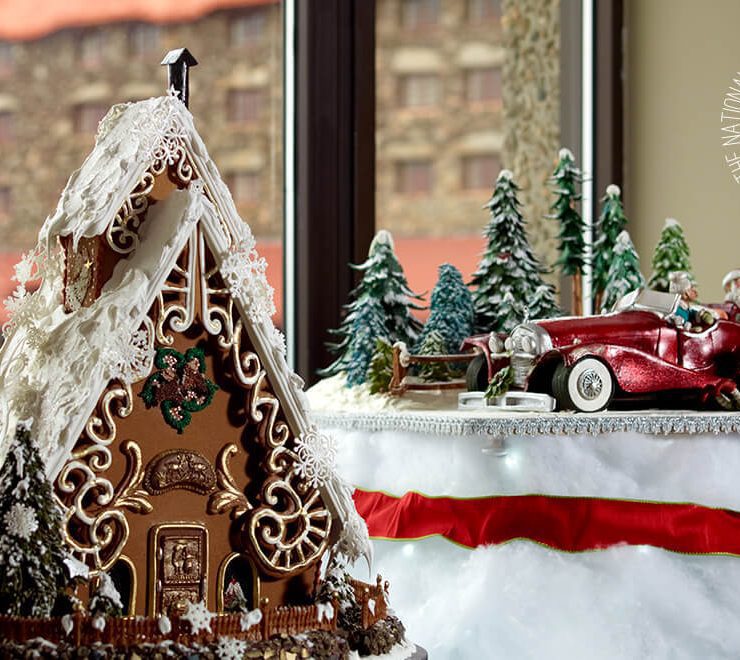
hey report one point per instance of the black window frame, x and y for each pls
(334, 202)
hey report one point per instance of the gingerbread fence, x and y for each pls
(129, 631)
(403, 361)
(372, 600)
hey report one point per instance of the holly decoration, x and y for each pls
(572, 246)
(611, 223)
(32, 550)
(380, 371)
(501, 383)
(671, 255)
(451, 313)
(383, 281)
(508, 268)
(179, 387)
(624, 273)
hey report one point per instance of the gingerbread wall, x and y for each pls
(174, 494)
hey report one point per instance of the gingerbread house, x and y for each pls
(178, 441)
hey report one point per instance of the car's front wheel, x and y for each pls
(476, 376)
(586, 386)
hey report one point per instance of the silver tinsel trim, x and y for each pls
(452, 423)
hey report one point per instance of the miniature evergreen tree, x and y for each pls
(671, 254)
(368, 326)
(624, 273)
(380, 371)
(451, 313)
(572, 245)
(383, 280)
(508, 266)
(611, 223)
(542, 304)
(106, 600)
(32, 550)
(434, 344)
(513, 312)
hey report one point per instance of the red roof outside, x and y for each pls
(22, 20)
(420, 258)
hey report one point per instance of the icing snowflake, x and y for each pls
(317, 455)
(230, 649)
(130, 359)
(278, 340)
(162, 136)
(243, 271)
(14, 302)
(198, 616)
(24, 269)
(21, 521)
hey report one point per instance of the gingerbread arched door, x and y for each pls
(178, 564)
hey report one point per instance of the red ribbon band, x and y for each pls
(572, 524)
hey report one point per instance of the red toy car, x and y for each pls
(635, 351)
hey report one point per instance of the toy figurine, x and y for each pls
(689, 314)
(731, 285)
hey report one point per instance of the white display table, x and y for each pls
(521, 599)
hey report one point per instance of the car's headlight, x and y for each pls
(495, 345)
(529, 339)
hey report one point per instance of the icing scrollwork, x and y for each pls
(95, 525)
(291, 529)
(228, 497)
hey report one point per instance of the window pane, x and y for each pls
(443, 131)
(61, 76)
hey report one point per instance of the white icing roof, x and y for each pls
(53, 365)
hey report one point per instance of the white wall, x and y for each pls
(681, 57)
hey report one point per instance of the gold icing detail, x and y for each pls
(179, 468)
(95, 525)
(229, 497)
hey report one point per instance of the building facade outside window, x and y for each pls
(245, 187)
(245, 105)
(419, 14)
(248, 28)
(414, 177)
(483, 85)
(143, 39)
(420, 90)
(480, 172)
(7, 127)
(87, 116)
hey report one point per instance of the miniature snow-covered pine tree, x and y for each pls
(380, 371)
(383, 280)
(671, 255)
(32, 551)
(513, 312)
(508, 266)
(106, 600)
(611, 223)
(368, 325)
(434, 344)
(451, 313)
(572, 245)
(624, 273)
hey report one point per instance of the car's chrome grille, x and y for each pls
(521, 366)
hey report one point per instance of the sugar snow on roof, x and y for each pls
(130, 137)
